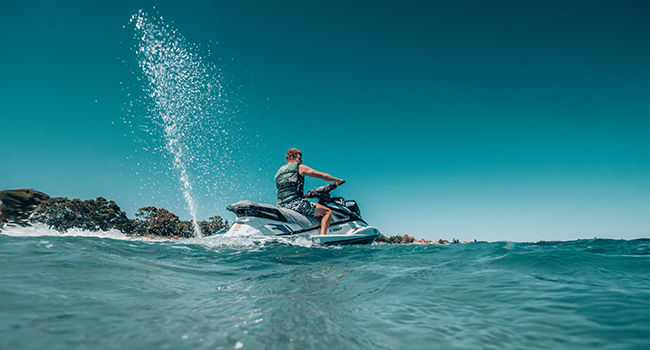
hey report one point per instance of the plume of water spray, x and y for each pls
(182, 89)
(182, 111)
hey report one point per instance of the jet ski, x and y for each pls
(346, 225)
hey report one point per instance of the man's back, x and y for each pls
(289, 182)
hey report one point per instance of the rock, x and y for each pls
(60, 213)
(17, 205)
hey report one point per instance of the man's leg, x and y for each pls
(325, 213)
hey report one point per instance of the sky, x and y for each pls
(502, 120)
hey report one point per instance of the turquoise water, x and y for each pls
(84, 290)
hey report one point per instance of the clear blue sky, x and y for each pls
(503, 120)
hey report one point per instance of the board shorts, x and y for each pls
(301, 205)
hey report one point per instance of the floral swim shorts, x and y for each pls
(302, 206)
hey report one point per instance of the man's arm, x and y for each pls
(307, 171)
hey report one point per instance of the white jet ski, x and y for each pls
(346, 225)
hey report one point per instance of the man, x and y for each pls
(290, 180)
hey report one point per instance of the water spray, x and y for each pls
(182, 90)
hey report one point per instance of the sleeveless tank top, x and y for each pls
(290, 183)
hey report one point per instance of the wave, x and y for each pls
(261, 292)
(231, 240)
(38, 230)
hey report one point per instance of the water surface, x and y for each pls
(88, 290)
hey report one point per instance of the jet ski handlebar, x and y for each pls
(322, 192)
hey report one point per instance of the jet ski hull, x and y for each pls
(344, 233)
(364, 235)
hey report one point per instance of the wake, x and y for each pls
(233, 240)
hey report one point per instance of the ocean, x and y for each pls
(103, 290)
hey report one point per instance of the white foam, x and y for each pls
(248, 239)
(232, 240)
(39, 230)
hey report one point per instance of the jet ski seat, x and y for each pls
(272, 212)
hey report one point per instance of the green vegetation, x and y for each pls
(161, 222)
(404, 239)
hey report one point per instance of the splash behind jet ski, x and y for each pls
(346, 225)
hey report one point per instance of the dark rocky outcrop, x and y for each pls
(25, 206)
(17, 205)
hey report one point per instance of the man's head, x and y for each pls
(294, 155)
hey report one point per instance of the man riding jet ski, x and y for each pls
(330, 221)
(290, 180)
